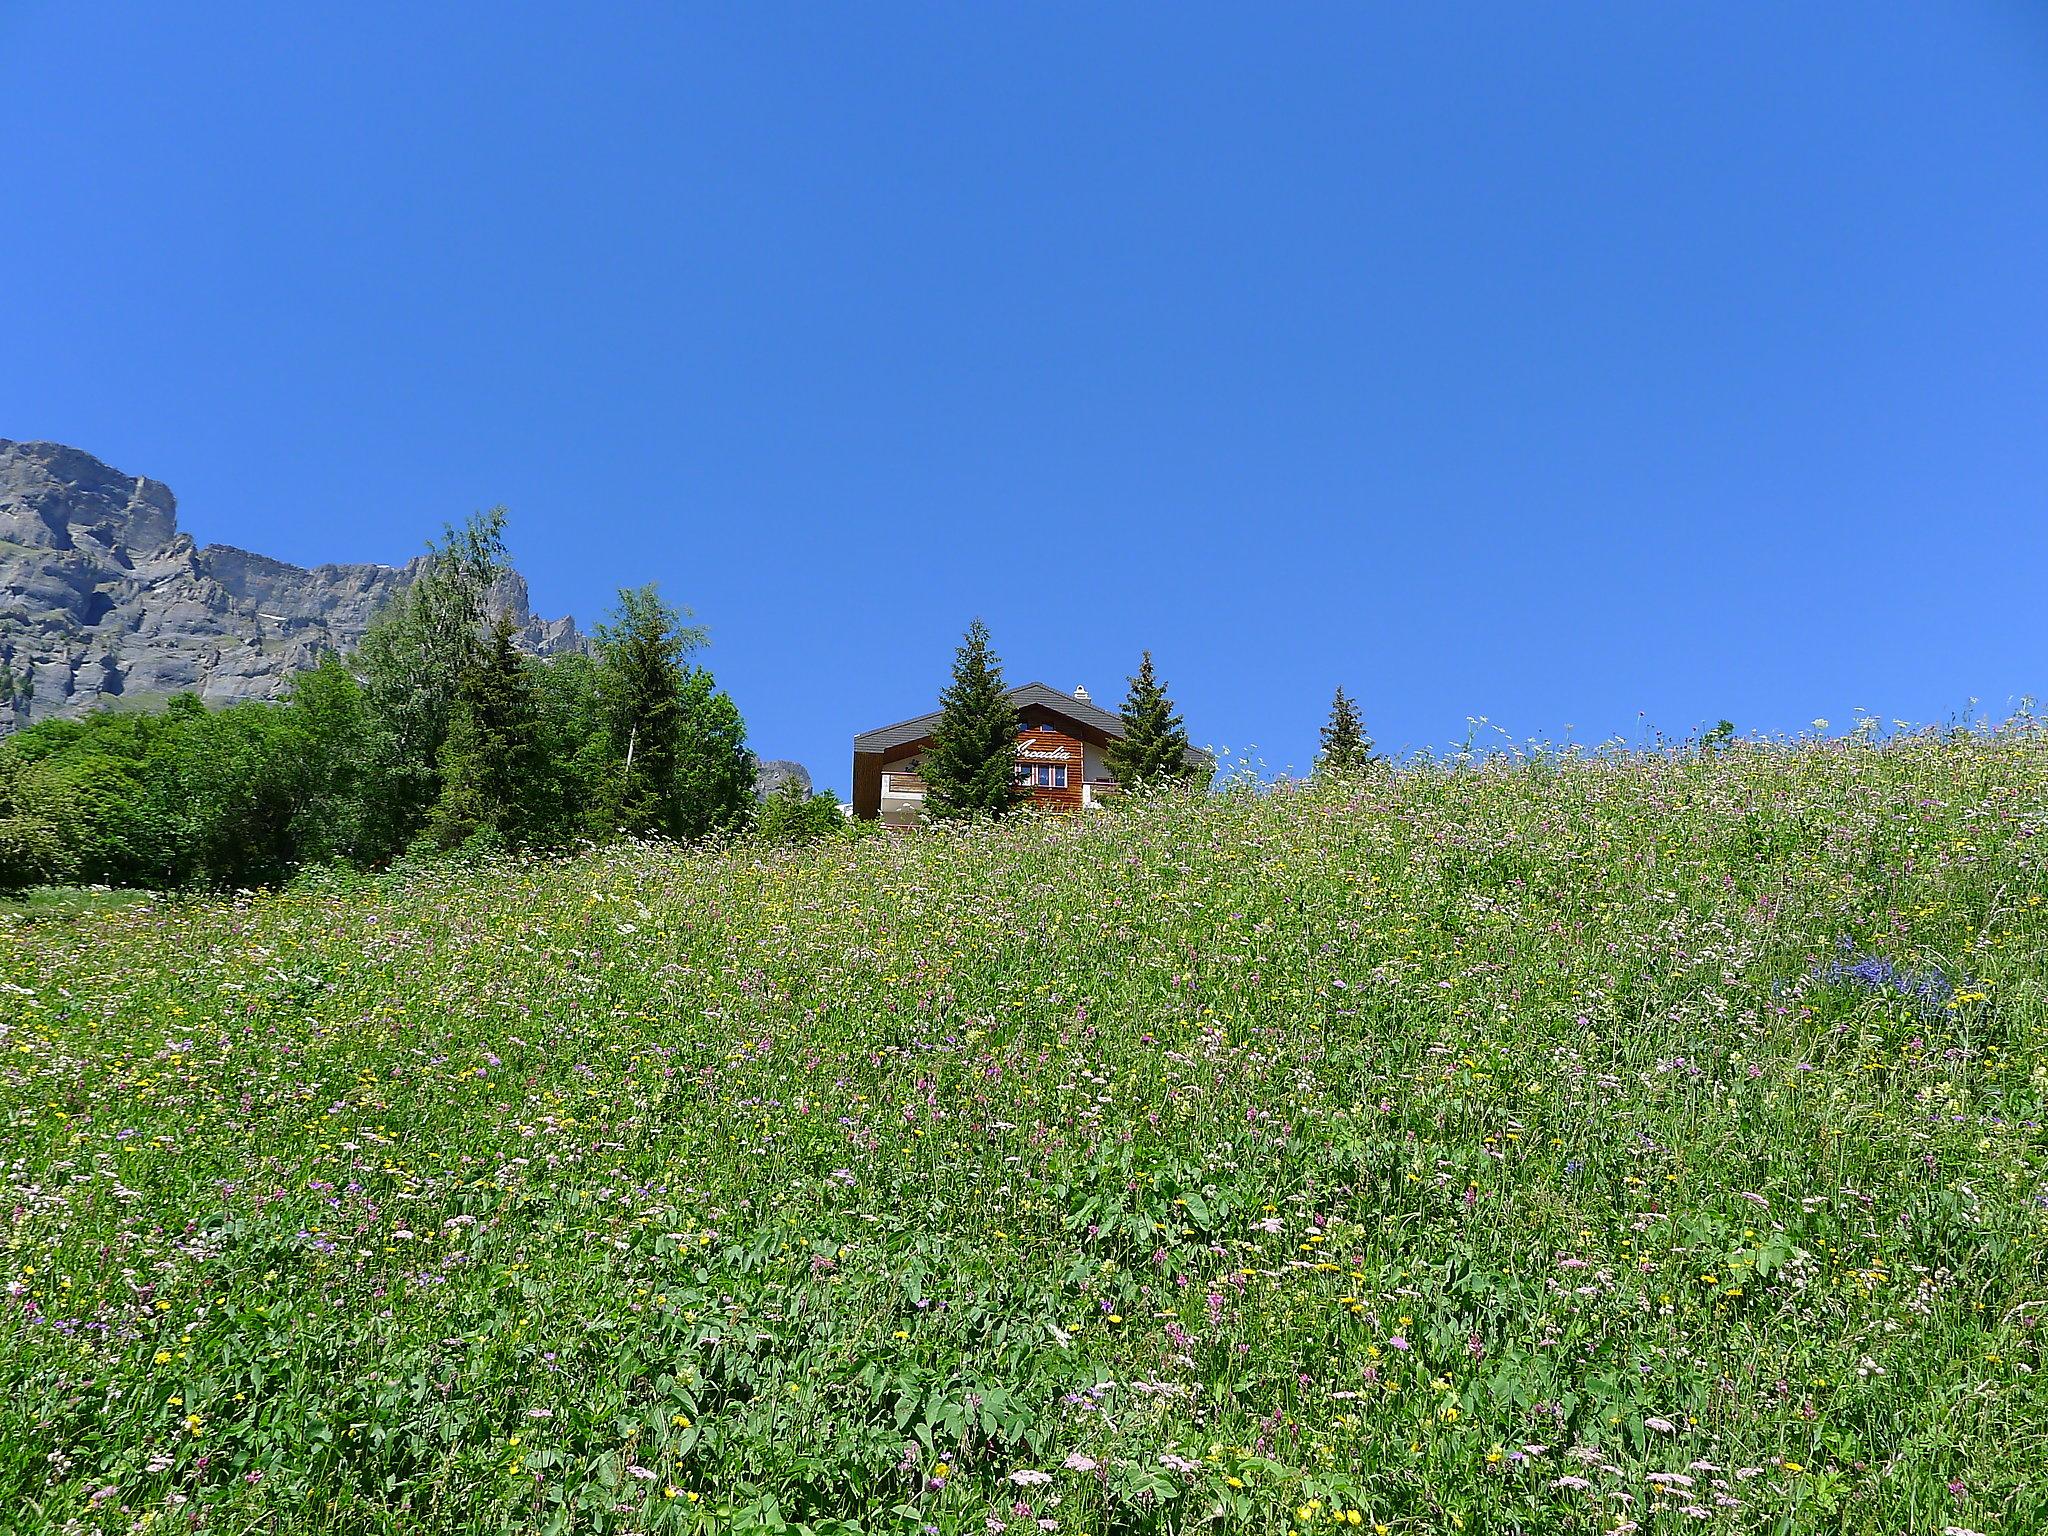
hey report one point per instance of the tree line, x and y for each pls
(437, 734)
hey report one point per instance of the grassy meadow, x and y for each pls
(1578, 1144)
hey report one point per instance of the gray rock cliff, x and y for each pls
(104, 601)
(774, 772)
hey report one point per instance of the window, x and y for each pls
(1044, 775)
(1059, 777)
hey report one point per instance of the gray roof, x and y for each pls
(882, 738)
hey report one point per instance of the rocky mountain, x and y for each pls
(104, 601)
(774, 772)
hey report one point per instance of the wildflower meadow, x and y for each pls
(1565, 1143)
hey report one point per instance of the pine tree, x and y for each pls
(641, 676)
(1346, 747)
(715, 772)
(1154, 746)
(970, 769)
(489, 761)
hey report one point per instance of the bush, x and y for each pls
(790, 817)
(31, 853)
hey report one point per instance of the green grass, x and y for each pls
(1481, 1150)
(66, 901)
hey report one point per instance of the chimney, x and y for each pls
(1081, 693)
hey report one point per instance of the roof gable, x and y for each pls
(1029, 696)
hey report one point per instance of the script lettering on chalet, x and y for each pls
(1060, 763)
(1028, 747)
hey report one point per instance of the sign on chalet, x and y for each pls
(1060, 737)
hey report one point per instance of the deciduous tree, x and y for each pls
(413, 661)
(714, 770)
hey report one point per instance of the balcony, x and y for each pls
(903, 796)
(902, 799)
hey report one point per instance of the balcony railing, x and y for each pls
(910, 786)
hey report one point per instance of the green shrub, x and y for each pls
(789, 816)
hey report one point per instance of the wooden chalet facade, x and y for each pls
(1060, 742)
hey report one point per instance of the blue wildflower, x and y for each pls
(1926, 988)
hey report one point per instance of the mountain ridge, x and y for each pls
(105, 601)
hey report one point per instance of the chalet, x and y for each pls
(1060, 741)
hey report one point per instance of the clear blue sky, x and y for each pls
(1550, 363)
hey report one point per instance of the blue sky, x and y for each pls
(1566, 365)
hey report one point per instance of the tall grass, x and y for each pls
(1652, 1141)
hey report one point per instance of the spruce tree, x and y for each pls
(641, 676)
(1154, 747)
(970, 769)
(16, 689)
(490, 768)
(715, 772)
(1346, 747)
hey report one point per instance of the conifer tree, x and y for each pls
(970, 769)
(17, 690)
(641, 676)
(1346, 747)
(489, 763)
(1154, 747)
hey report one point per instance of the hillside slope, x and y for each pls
(1578, 1146)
